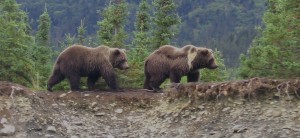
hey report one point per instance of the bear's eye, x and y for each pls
(123, 61)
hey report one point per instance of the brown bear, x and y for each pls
(80, 61)
(171, 62)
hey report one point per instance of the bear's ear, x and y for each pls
(124, 50)
(204, 52)
(117, 52)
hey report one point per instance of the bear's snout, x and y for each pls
(125, 66)
(212, 64)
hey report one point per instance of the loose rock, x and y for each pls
(226, 109)
(94, 104)
(276, 113)
(78, 123)
(62, 95)
(7, 130)
(239, 129)
(51, 129)
(110, 136)
(119, 111)
(99, 114)
(73, 136)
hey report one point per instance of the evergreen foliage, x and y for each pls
(142, 39)
(275, 52)
(165, 17)
(224, 24)
(43, 33)
(228, 25)
(81, 32)
(140, 49)
(111, 31)
(42, 52)
(216, 75)
(15, 44)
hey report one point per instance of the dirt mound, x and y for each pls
(252, 88)
(8, 88)
(256, 107)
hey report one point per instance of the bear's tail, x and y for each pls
(147, 77)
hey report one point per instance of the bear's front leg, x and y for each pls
(193, 76)
(110, 79)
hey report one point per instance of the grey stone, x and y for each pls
(226, 109)
(94, 104)
(276, 113)
(78, 123)
(51, 129)
(100, 114)
(238, 128)
(201, 107)
(110, 136)
(119, 111)
(49, 136)
(7, 130)
(3, 121)
(62, 95)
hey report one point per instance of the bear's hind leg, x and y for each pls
(156, 81)
(91, 82)
(147, 83)
(55, 78)
(74, 82)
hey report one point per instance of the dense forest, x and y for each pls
(255, 38)
(228, 25)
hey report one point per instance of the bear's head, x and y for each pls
(118, 58)
(200, 57)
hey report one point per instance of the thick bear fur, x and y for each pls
(171, 62)
(80, 61)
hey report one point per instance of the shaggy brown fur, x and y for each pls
(79, 61)
(170, 51)
(171, 62)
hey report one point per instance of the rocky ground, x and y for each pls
(258, 108)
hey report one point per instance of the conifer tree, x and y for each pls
(142, 27)
(111, 31)
(15, 42)
(42, 52)
(43, 33)
(81, 32)
(165, 19)
(141, 42)
(276, 52)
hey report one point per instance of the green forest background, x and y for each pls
(228, 25)
(253, 38)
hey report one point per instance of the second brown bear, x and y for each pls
(171, 62)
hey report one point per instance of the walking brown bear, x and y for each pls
(171, 62)
(80, 61)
